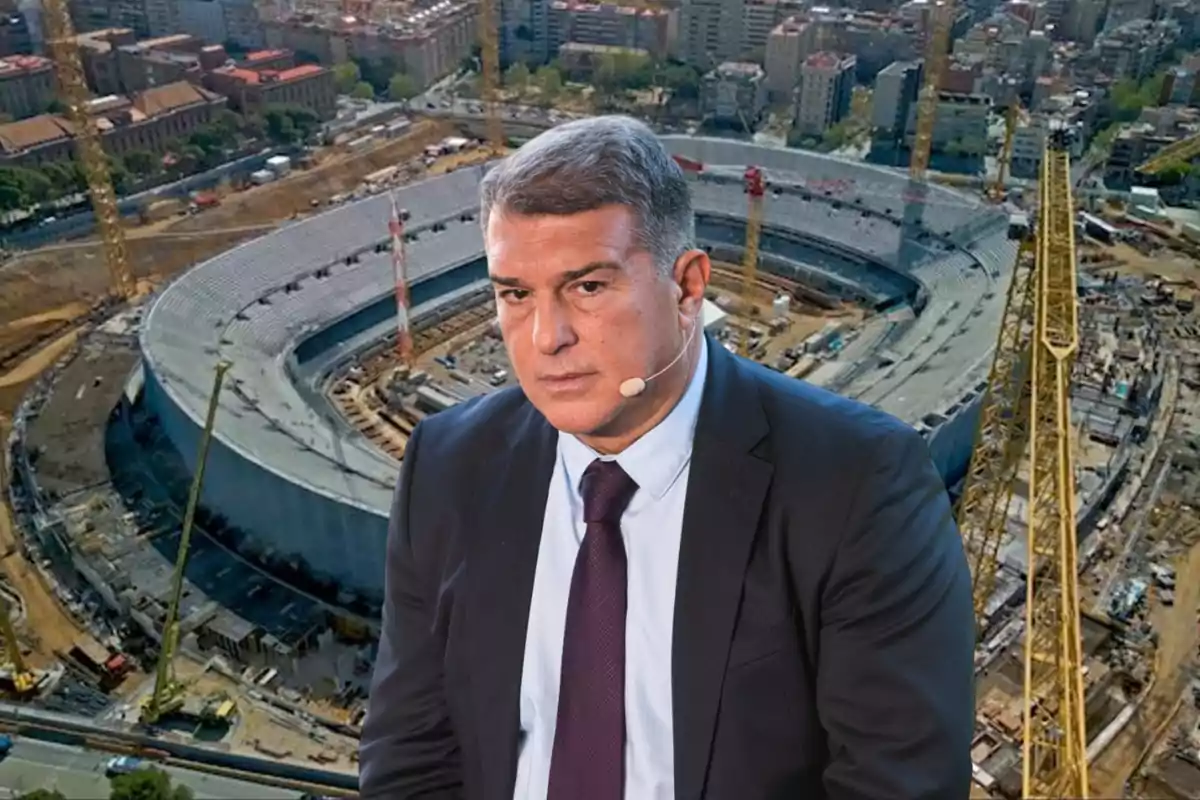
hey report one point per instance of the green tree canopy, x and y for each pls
(363, 91)
(401, 87)
(346, 77)
(141, 162)
(549, 82)
(517, 76)
(147, 784)
(42, 794)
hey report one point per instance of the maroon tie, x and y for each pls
(588, 762)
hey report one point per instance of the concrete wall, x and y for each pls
(345, 543)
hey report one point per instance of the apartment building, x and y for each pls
(734, 93)
(960, 126)
(251, 91)
(149, 121)
(788, 44)
(426, 45)
(826, 86)
(114, 62)
(144, 17)
(16, 34)
(1135, 50)
(652, 30)
(26, 86)
(235, 21)
(896, 89)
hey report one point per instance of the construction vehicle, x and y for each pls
(755, 188)
(168, 694)
(1027, 405)
(16, 678)
(73, 92)
(219, 709)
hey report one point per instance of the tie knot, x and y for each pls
(606, 490)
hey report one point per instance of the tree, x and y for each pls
(147, 784)
(363, 91)
(346, 77)
(517, 77)
(401, 87)
(549, 82)
(140, 162)
(42, 794)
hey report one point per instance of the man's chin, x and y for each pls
(582, 417)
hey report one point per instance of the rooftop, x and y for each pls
(17, 65)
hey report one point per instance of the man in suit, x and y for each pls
(714, 582)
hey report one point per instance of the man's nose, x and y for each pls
(551, 328)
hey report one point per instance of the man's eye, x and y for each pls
(590, 287)
(514, 295)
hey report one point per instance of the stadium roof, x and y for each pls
(254, 303)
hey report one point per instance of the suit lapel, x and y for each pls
(726, 487)
(505, 527)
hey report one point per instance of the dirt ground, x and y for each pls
(1177, 629)
(45, 294)
(1169, 264)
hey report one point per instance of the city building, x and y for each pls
(734, 93)
(251, 91)
(234, 21)
(826, 87)
(960, 126)
(425, 45)
(16, 34)
(1136, 49)
(149, 121)
(896, 89)
(144, 17)
(788, 44)
(652, 30)
(26, 86)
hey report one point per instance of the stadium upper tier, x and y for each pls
(282, 462)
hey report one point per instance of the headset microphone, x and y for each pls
(634, 386)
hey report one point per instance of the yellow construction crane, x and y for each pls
(1180, 152)
(1055, 740)
(168, 694)
(1001, 438)
(489, 68)
(755, 191)
(60, 37)
(1027, 405)
(936, 57)
(1004, 163)
(22, 682)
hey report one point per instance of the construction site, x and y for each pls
(143, 592)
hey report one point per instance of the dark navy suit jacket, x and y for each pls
(823, 622)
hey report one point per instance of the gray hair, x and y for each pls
(590, 163)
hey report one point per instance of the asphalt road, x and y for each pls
(79, 774)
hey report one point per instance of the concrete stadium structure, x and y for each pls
(289, 307)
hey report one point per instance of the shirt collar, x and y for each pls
(657, 459)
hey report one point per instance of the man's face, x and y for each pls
(582, 309)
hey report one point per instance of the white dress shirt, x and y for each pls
(651, 529)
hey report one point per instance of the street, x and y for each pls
(79, 775)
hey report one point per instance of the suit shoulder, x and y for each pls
(813, 414)
(471, 426)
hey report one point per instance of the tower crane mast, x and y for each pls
(1055, 741)
(755, 191)
(489, 69)
(167, 695)
(1027, 405)
(936, 56)
(60, 37)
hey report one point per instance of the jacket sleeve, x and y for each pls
(409, 748)
(895, 678)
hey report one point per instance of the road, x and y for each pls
(79, 775)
